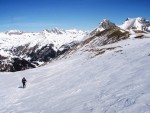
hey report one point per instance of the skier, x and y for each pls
(24, 82)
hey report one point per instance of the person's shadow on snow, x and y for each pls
(20, 87)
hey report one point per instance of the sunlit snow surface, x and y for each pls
(136, 24)
(114, 82)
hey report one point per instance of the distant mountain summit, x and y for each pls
(105, 24)
(15, 32)
(54, 31)
(136, 24)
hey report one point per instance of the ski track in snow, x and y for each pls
(115, 82)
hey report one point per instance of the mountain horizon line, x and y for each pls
(58, 28)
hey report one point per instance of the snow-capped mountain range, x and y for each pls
(106, 72)
(35, 48)
(130, 24)
(21, 50)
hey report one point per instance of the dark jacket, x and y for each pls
(24, 80)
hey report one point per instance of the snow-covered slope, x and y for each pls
(114, 81)
(136, 24)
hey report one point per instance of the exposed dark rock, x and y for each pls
(35, 53)
(5, 67)
(140, 37)
(43, 54)
(23, 50)
(66, 47)
(15, 64)
(2, 57)
(21, 64)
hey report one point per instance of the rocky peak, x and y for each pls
(105, 24)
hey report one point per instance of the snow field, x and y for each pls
(114, 82)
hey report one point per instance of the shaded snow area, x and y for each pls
(117, 81)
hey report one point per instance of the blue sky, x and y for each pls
(36, 15)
